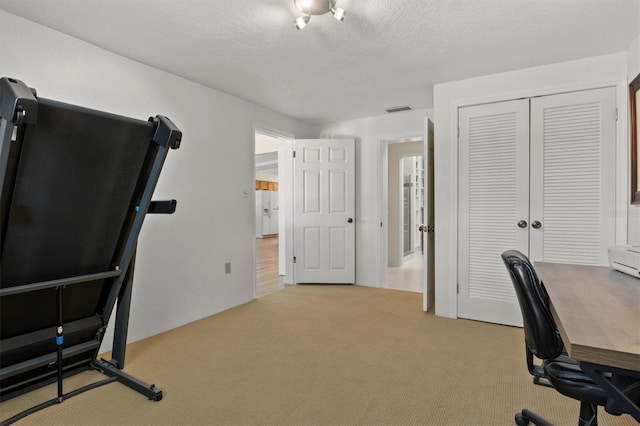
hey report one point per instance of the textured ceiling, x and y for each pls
(386, 53)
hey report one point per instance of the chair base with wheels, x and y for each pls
(525, 417)
(543, 340)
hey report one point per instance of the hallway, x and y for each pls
(407, 277)
(267, 279)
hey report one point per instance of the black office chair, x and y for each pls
(543, 340)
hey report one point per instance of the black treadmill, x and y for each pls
(76, 185)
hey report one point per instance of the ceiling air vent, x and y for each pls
(398, 109)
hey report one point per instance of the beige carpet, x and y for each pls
(319, 355)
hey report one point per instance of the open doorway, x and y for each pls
(272, 208)
(405, 215)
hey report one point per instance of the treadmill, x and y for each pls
(76, 186)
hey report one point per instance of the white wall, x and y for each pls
(633, 69)
(633, 59)
(609, 70)
(180, 265)
(368, 133)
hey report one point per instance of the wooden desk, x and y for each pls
(597, 310)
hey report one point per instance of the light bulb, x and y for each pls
(339, 13)
(301, 22)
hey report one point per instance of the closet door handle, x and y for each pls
(536, 224)
(522, 224)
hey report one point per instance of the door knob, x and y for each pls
(350, 220)
(536, 224)
(522, 224)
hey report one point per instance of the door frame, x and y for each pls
(285, 202)
(383, 205)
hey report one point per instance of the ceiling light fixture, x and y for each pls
(317, 7)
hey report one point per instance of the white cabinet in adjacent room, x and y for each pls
(266, 213)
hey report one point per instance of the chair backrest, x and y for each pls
(540, 330)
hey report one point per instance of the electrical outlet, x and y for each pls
(227, 268)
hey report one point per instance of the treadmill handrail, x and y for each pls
(47, 359)
(25, 288)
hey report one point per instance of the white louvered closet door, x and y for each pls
(493, 199)
(539, 178)
(573, 177)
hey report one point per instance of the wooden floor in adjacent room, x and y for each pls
(267, 279)
(407, 277)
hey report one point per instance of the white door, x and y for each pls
(324, 211)
(285, 210)
(573, 151)
(428, 280)
(494, 201)
(537, 176)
